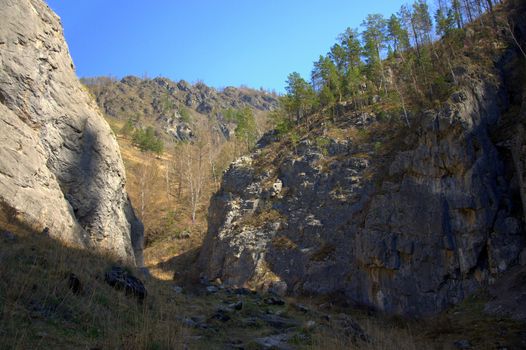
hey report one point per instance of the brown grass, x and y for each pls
(260, 219)
(38, 310)
(283, 243)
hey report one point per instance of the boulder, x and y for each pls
(121, 279)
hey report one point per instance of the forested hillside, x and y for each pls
(401, 65)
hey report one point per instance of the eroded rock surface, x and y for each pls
(60, 166)
(411, 233)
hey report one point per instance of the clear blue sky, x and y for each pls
(221, 42)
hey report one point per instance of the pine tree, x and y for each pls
(422, 21)
(351, 79)
(455, 5)
(300, 98)
(374, 37)
(445, 21)
(328, 82)
(398, 35)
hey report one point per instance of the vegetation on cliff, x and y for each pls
(399, 202)
(401, 65)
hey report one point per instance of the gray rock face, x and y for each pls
(439, 220)
(60, 165)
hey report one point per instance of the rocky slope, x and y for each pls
(60, 166)
(174, 107)
(405, 220)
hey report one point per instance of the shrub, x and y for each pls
(246, 128)
(323, 144)
(146, 140)
(281, 122)
(185, 114)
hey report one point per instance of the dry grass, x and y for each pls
(350, 133)
(38, 309)
(166, 215)
(260, 219)
(283, 243)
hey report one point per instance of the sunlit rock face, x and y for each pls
(60, 166)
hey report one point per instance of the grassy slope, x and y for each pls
(38, 310)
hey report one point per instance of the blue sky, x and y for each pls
(221, 42)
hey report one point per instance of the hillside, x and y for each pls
(176, 109)
(169, 183)
(171, 188)
(40, 309)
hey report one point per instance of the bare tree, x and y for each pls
(192, 165)
(510, 28)
(149, 186)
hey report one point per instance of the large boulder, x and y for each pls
(60, 166)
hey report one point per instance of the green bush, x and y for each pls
(146, 140)
(323, 144)
(185, 114)
(294, 138)
(246, 128)
(281, 122)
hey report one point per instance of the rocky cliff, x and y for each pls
(405, 220)
(60, 166)
(175, 107)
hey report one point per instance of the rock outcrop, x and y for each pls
(60, 166)
(175, 108)
(407, 223)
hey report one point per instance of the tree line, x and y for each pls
(396, 59)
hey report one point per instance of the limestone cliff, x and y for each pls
(60, 166)
(406, 220)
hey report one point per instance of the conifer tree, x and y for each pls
(374, 37)
(351, 78)
(398, 35)
(300, 98)
(325, 74)
(457, 10)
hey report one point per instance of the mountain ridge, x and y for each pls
(174, 108)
